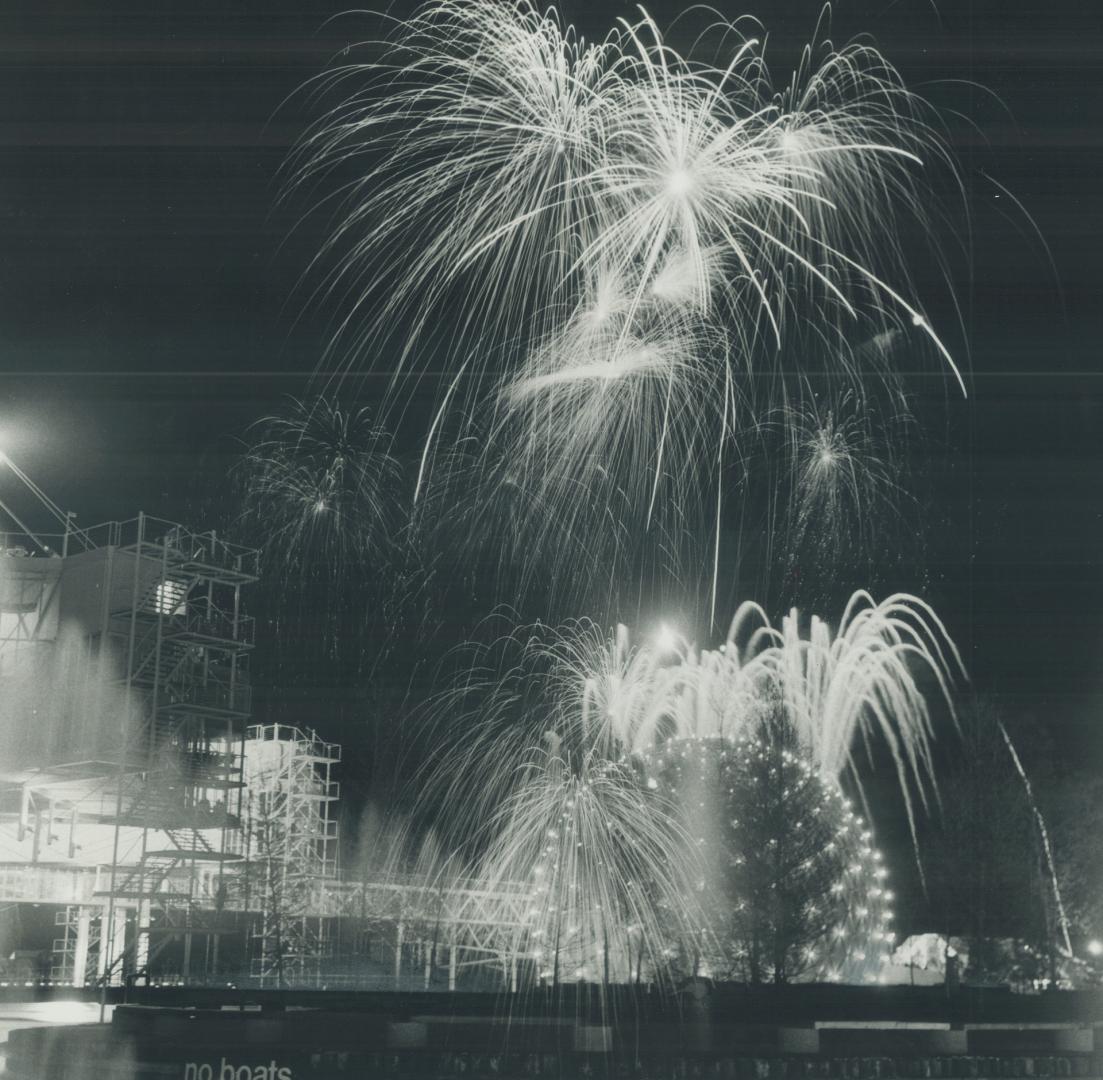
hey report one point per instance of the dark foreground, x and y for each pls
(736, 1033)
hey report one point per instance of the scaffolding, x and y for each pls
(291, 845)
(160, 607)
(173, 619)
(436, 925)
(79, 945)
(188, 824)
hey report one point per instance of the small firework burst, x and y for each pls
(320, 494)
(320, 484)
(844, 489)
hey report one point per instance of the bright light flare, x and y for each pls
(666, 639)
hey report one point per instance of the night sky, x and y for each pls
(149, 312)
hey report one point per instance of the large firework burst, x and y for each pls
(620, 240)
(494, 138)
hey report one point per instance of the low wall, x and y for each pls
(802, 1004)
(147, 1043)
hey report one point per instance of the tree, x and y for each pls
(783, 867)
(1074, 810)
(791, 883)
(985, 867)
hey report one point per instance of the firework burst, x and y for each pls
(839, 688)
(682, 226)
(843, 489)
(476, 138)
(575, 779)
(493, 137)
(320, 490)
(604, 862)
(321, 483)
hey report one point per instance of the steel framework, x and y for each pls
(176, 626)
(290, 840)
(160, 606)
(187, 821)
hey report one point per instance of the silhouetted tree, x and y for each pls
(985, 867)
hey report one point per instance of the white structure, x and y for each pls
(136, 799)
(274, 880)
(290, 844)
(920, 960)
(123, 704)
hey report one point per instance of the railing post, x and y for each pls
(80, 949)
(108, 934)
(24, 812)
